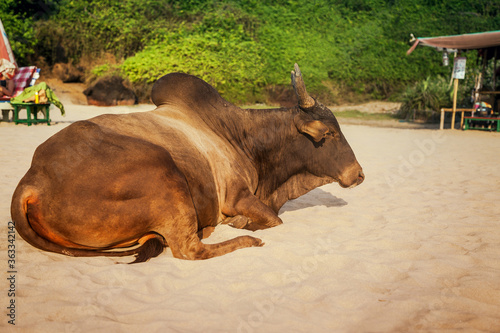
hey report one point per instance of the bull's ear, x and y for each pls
(315, 128)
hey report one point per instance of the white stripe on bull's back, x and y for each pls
(193, 137)
(193, 131)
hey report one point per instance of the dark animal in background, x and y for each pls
(167, 177)
(110, 91)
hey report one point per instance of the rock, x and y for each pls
(110, 91)
(67, 72)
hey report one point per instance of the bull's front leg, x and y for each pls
(245, 211)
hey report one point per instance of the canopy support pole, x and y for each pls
(455, 93)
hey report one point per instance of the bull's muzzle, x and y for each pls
(352, 177)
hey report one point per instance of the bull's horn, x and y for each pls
(305, 101)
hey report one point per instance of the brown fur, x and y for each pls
(167, 177)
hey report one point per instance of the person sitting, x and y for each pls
(6, 88)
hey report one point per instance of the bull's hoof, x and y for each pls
(238, 221)
(252, 241)
(258, 242)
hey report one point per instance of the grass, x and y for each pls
(258, 106)
(352, 114)
(355, 114)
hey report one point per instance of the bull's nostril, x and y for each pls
(361, 177)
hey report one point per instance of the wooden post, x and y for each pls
(495, 105)
(441, 123)
(495, 70)
(455, 92)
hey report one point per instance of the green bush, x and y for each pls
(91, 27)
(425, 99)
(245, 46)
(229, 61)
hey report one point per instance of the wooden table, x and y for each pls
(32, 110)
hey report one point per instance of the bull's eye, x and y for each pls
(333, 135)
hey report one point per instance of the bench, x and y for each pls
(469, 123)
(32, 110)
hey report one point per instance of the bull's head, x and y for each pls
(318, 122)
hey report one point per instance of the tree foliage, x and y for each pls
(244, 46)
(19, 29)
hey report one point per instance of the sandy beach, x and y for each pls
(415, 248)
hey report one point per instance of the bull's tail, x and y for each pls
(151, 244)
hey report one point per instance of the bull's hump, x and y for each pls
(183, 89)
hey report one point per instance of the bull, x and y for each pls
(133, 184)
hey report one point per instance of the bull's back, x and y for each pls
(92, 187)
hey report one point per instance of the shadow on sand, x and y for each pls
(316, 197)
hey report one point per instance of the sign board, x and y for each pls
(459, 68)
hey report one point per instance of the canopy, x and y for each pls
(480, 40)
(7, 61)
